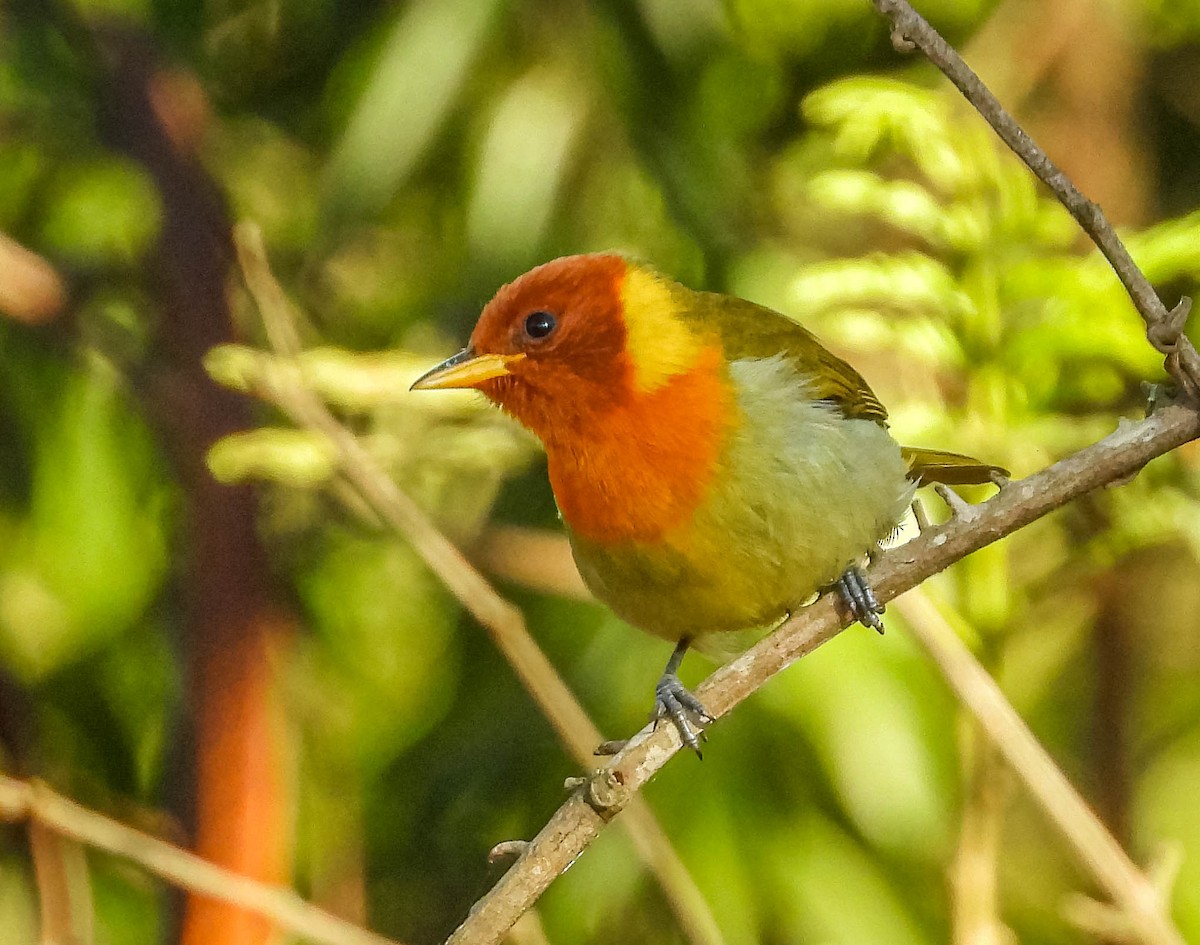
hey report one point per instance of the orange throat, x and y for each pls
(641, 470)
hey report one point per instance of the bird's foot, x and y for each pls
(860, 599)
(673, 700)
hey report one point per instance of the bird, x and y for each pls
(715, 466)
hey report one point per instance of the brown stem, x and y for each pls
(64, 887)
(1111, 646)
(1164, 327)
(975, 914)
(234, 619)
(1095, 848)
(35, 802)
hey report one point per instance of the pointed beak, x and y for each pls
(466, 369)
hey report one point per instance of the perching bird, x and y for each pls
(715, 465)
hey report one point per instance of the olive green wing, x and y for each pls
(951, 469)
(748, 330)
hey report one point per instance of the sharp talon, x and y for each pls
(673, 701)
(860, 599)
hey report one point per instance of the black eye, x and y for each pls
(539, 324)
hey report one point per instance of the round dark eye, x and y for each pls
(539, 324)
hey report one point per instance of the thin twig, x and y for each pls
(35, 802)
(1164, 327)
(581, 818)
(64, 887)
(503, 621)
(1129, 889)
(975, 916)
(1096, 848)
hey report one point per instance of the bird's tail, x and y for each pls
(952, 469)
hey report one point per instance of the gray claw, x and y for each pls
(860, 599)
(673, 701)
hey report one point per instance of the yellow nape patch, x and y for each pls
(660, 344)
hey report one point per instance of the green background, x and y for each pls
(404, 160)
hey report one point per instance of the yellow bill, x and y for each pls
(466, 369)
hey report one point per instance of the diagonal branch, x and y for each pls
(51, 812)
(1097, 849)
(64, 887)
(581, 818)
(1164, 327)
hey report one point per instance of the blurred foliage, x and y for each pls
(404, 159)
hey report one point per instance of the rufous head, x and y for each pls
(571, 338)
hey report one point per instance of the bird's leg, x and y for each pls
(860, 599)
(673, 700)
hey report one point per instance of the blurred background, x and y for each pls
(201, 632)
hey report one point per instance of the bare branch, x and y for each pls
(578, 821)
(1164, 327)
(35, 802)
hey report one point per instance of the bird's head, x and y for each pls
(572, 340)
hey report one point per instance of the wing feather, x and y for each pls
(748, 330)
